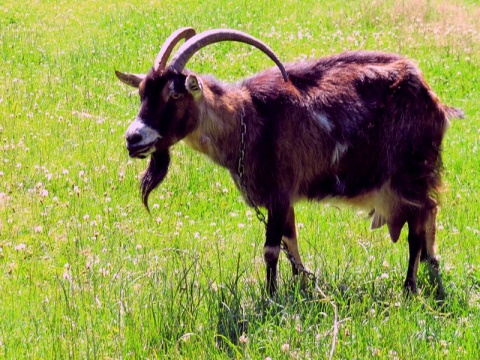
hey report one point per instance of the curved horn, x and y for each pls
(189, 48)
(169, 44)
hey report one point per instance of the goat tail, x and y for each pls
(454, 112)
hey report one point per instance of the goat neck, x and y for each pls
(220, 109)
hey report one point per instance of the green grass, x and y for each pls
(86, 272)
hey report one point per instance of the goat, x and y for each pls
(360, 127)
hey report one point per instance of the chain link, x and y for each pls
(310, 275)
(241, 169)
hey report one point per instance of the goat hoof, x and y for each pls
(410, 287)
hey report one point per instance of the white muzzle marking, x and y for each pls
(141, 139)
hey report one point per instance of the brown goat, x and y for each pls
(359, 127)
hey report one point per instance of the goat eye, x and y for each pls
(176, 96)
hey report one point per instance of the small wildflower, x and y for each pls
(186, 336)
(392, 354)
(20, 247)
(44, 193)
(67, 276)
(38, 229)
(243, 339)
(285, 348)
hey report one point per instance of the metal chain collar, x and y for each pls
(260, 216)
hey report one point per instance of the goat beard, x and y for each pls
(155, 173)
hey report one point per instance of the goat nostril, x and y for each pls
(134, 138)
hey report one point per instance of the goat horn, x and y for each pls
(169, 44)
(189, 48)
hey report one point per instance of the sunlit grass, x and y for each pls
(86, 272)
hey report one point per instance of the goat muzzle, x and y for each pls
(141, 151)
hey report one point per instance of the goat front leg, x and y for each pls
(277, 218)
(290, 241)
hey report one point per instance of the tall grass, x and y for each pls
(85, 272)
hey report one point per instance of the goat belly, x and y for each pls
(335, 186)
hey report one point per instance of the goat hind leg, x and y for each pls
(416, 242)
(428, 248)
(421, 242)
(428, 254)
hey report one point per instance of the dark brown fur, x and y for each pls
(359, 127)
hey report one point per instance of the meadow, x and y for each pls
(86, 272)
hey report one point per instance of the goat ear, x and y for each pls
(130, 79)
(194, 86)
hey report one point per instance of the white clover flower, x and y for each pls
(20, 247)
